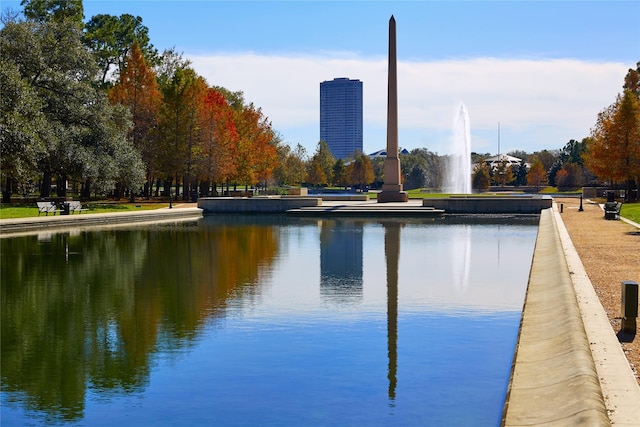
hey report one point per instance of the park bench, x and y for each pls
(612, 210)
(47, 208)
(611, 207)
(75, 206)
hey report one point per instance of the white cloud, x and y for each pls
(539, 103)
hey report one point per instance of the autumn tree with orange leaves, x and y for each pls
(537, 176)
(218, 137)
(360, 171)
(256, 154)
(138, 90)
(613, 151)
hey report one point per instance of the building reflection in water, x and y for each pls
(341, 260)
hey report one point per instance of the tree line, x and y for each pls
(609, 156)
(95, 109)
(96, 106)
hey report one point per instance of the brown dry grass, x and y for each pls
(610, 253)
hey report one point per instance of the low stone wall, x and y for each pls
(298, 191)
(269, 204)
(594, 192)
(19, 226)
(491, 205)
(554, 379)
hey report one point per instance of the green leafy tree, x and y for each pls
(179, 126)
(296, 164)
(110, 39)
(414, 170)
(340, 177)
(234, 99)
(291, 169)
(573, 151)
(323, 159)
(421, 168)
(417, 178)
(166, 66)
(22, 140)
(57, 11)
(82, 137)
(520, 173)
(547, 158)
(571, 154)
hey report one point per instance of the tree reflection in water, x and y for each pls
(90, 309)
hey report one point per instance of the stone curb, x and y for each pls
(554, 379)
(569, 367)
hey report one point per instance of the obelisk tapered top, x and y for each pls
(392, 94)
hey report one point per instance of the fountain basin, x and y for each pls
(261, 204)
(527, 204)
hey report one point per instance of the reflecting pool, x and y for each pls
(269, 321)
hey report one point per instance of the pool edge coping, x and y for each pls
(617, 381)
(568, 369)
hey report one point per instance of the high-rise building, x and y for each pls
(341, 116)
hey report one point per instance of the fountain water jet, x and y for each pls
(458, 168)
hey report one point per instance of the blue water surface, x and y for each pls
(273, 323)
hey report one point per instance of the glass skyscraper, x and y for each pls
(341, 116)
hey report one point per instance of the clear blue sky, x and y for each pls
(542, 69)
(427, 30)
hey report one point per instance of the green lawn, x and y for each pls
(631, 211)
(7, 212)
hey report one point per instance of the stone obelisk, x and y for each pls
(392, 187)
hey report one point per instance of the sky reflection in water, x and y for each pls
(234, 321)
